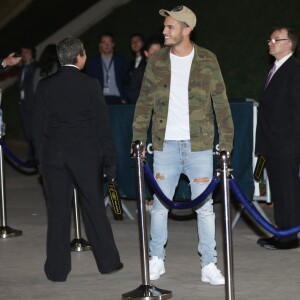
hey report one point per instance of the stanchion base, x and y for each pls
(147, 292)
(7, 232)
(79, 245)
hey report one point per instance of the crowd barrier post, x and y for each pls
(5, 230)
(145, 291)
(225, 173)
(78, 244)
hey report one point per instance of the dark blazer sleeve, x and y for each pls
(121, 67)
(102, 123)
(38, 119)
(93, 68)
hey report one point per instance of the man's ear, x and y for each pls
(79, 61)
(187, 30)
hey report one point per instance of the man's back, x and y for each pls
(72, 113)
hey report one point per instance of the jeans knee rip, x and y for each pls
(159, 176)
(202, 180)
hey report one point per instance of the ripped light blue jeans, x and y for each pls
(177, 158)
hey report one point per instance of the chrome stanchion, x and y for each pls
(145, 291)
(78, 244)
(5, 230)
(229, 282)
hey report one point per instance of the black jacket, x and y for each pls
(278, 118)
(70, 117)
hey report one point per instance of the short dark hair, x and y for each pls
(292, 35)
(28, 45)
(109, 34)
(68, 49)
(138, 35)
(154, 39)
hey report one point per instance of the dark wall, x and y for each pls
(235, 30)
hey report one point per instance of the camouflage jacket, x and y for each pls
(207, 99)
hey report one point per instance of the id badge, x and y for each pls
(106, 90)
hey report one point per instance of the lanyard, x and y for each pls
(107, 69)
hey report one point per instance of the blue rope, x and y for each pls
(15, 158)
(178, 205)
(257, 216)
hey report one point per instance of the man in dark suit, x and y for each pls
(278, 135)
(73, 145)
(25, 83)
(110, 69)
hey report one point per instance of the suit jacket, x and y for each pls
(93, 68)
(70, 117)
(278, 118)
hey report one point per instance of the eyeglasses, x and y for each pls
(273, 41)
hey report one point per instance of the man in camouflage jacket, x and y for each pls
(182, 92)
(206, 87)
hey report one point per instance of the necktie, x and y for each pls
(271, 73)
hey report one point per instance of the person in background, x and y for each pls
(278, 135)
(48, 64)
(74, 149)
(9, 61)
(110, 69)
(25, 83)
(182, 89)
(136, 46)
(152, 45)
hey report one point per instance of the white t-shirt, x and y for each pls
(178, 124)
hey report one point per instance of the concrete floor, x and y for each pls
(258, 273)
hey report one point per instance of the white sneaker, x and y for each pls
(212, 275)
(156, 267)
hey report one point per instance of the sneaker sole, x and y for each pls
(213, 283)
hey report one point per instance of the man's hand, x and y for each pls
(109, 168)
(10, 60)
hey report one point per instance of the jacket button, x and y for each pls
(160, 121)
(165, 85)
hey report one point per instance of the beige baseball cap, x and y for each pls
(181, 13)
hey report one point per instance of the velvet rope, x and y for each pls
(257, 216)
(178, 205)
(14, 158)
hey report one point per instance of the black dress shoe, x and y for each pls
(274, 243)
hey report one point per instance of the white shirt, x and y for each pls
(178, 122)
(280, 62)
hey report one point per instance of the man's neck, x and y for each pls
(107, 55)
(279, 57)
(28, 62)
(183, 49)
